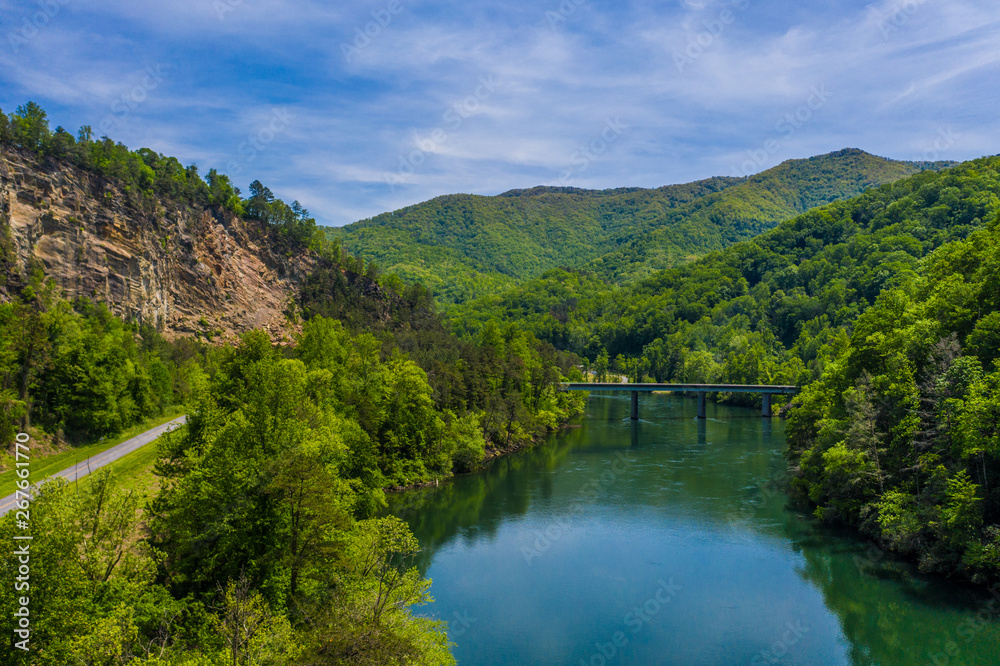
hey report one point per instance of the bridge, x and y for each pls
(702, 390)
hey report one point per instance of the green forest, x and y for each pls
(464, 247)
(885, 307)
(431, 339)
(263, 543)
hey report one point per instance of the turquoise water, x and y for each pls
(668, 541)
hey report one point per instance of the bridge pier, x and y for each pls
(635, 405)
(765, 405)
(702, 399)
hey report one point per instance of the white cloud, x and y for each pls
(893, 89)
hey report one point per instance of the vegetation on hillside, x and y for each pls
(767, 310)
(885, 307)
(901, 434)
(151, 180)
(261, 545)
(464, 247)
(75, 371)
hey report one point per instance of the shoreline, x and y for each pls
(491, 454)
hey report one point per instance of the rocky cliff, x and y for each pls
(179, 269)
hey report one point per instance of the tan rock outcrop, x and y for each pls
(178, 269)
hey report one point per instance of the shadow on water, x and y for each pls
(715, 486)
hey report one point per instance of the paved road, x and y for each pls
(89, 465)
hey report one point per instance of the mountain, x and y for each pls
(463, 246)
(885, 308)
(789, 287)
(755, 205)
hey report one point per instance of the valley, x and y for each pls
(326, 371)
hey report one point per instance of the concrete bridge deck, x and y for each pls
(766, 391)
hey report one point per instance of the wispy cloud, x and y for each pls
(896, 81)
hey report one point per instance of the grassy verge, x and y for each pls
(135, 471)
(42, 468)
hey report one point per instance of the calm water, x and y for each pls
(665, 542)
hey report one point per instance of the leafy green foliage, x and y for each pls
(503, 378)
(464, 247)
(917, 461)
(771, 310)
(80, 373)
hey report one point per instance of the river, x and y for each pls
(667, 541)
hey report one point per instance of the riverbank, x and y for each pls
(491, 453)
(577, 535)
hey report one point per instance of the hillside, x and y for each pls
(114, 259)
(810, 274)
(178, 268)
(464, 246)
(885, 307)
(757, 204)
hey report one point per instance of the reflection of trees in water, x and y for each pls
(887, 611)
(472, 507)
(475, 505)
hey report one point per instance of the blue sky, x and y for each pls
(357, 108)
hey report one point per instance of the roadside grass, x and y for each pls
(135, 471)
(43, 468)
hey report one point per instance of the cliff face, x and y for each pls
(178, 269)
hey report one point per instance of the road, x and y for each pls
(85, 467)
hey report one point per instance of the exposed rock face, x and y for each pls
(178, 269)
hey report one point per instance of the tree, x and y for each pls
(31, 127)
(601, 366)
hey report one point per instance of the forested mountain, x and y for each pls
(463, 246)
(885, 306)
(130, 286)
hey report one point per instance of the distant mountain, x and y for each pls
(755, 205)
(464, 246)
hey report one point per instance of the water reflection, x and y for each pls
(553, 549)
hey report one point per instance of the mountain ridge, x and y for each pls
(463, 246)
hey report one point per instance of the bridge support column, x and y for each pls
(702, 399)
(635, 405)
(765, 405)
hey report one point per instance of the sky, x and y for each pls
(357, 108)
